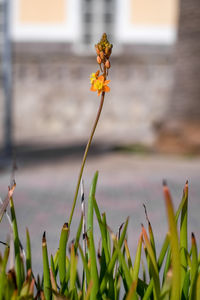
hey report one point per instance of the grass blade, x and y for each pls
(53, 269)
(166, 242)
(103, 230)
(132, 290)
(46, 271)
(128, 255)
(151, 235)
(173, 237)
(28, 251)
(164, 249)
(92, 252)
(153, 264)
(166, 288)
(62, 253)
(126, 273)
(73, 268)
(183, 236)
(18, 261)
(198, 287)
(85, 265)
(87, 296)
(78, 234)
(113, 259)
(136, 266)
(3, 272)
(194, 269)
(55, 261)
(53, 284)
(108, 243)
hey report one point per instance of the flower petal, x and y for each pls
(101, 78)
(93, 89)
(106, 88)
(106, 81)
(99, 92)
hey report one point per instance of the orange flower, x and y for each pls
(100, 85)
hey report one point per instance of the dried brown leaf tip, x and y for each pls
(166, 191)
(193, 239)
(11, 189)
(186, 188)
(66, 226)
(44, 239)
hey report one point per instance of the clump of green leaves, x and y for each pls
(108, 272)
(18, 281)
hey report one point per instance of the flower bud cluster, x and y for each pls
(104, 50)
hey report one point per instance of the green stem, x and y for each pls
(85, 155)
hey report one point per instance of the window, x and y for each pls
(97, 17)
(54, 20)
(141, 21)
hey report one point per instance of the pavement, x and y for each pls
(45, 189)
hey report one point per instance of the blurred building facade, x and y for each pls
(53, 56)
(83, 21)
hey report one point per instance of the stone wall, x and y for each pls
(53, 104)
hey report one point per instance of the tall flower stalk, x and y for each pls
(99, 83)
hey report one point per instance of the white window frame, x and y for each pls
(67, 31)
(126, 32)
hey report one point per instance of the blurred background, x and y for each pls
(46, 108)
(47, 55)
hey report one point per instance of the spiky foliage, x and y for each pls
(108, 272)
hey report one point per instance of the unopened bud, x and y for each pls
(107, 64)
(99, 59)
(107, 50)
(97, 49)
(101, 55)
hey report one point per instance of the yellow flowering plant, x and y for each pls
(94, 76)
(99, 84)
(173, 273)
